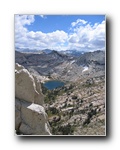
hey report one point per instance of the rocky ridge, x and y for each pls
(63, 67)
(30, 115)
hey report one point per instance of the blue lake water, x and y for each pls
(50, 85)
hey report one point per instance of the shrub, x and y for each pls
(87, 121)
(91, 104)
(66, 130)
(74, 97)
(70, 87)
(53, 110)
(81, 101)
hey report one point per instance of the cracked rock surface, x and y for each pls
(30, 115)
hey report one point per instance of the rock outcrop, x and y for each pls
(30, 115)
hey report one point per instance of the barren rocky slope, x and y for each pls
(78, 108)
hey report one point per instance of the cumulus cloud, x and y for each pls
(78, 22)
(46, 40)
(82, 36)
(87, 36)
(22, 20)
(36, 40)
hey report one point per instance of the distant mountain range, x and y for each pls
(27, 50)
(47, 51)
(63, 66)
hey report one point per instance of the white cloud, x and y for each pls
(42, 16)
(73, 38)
(78, 22)
(20, 22)
(87, 36)
(36, 40)
(24, 19)
(83, 36)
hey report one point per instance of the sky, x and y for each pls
(60, 32)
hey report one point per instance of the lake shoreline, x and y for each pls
(53, 84)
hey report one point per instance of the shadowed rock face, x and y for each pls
(30, 116)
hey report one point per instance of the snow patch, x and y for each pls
(85, 68)
(72, 62)
(68, 71)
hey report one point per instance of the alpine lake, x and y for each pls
(53, 84)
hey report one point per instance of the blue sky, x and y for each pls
(50, 23)
(60, 32)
